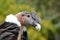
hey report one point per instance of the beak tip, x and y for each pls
(38, 27)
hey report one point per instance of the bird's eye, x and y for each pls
(23, 15)
(28, 15)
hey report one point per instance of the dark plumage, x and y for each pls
(8, 31)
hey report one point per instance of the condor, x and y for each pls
(14, 27)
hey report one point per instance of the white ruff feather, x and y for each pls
(12, 19)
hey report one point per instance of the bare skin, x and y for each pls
(21, 18)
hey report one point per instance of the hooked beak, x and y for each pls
(37, 26)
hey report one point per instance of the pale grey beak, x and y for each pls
(37, 21)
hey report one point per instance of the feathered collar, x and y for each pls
(12, 19)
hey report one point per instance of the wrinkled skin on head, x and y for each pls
(35, 17)
(30, 18)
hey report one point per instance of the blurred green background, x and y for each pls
(47, 10)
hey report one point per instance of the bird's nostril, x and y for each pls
(23, 15)
(34, 18)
